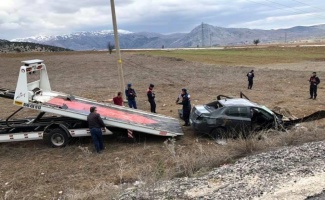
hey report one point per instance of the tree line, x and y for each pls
(7, 46)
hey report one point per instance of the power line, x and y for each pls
(262, 4)
(302, 12)
(299, 10)
(274, 6)
(308, 5)
(286, 7)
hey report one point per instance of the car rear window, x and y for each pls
(214, 105)
(237, 111)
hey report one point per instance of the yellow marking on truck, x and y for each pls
(18, 103)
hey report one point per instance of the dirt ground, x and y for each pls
(30, 170)
(94, 75)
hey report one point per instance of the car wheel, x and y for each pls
(218, 133)
(56, 138)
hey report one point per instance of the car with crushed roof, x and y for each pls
(232, 117)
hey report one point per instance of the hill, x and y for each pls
(204, 35)
(7, 46)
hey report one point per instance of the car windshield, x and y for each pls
(268, 110)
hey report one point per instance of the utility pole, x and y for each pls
(202, 36)
(117, 47)
(285, 37)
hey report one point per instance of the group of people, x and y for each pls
(130, 93)
(313, 80)
(96, 123)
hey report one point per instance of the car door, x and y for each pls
(261, 119)
(237, 119)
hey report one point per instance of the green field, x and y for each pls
(246, 56)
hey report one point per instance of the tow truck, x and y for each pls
(70, 113)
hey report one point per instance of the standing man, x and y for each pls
(186, 102)
(314, 81)
(118, 100)
(151, 98)
(130, 95)
(95, 124)
(250, 76)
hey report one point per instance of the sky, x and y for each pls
(26, 18)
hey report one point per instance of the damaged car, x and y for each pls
(233, 117)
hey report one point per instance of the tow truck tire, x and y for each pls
(56, 138)
(219, 133)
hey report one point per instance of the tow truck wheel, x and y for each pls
(218, 133)
(56, 138)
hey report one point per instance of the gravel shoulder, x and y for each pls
(288, 173)
(299, 189)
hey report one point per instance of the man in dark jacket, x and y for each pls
(151, 98)
(130, 96)
(95, 124)
(250, 76)
(186, 102)
(314, 81)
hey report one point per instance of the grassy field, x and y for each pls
(229, 56)
(31, 170)
(247, 56)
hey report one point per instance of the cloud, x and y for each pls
(281, 21)
(9, 26)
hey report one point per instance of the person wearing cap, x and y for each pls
(314, 81)
(96, 124)
(186, 102)
(151, 98)
(250, 76)
(130, 96)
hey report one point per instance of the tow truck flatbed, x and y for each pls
(71, 110)
(112, 115)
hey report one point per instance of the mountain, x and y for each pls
(7, 46)
(202, 35)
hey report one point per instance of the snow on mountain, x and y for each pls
(44, 38)
(203, 35)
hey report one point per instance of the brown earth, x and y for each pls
(30, 170)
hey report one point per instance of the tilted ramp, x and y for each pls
(112, 115)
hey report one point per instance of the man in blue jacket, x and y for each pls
(314, 81)
(130, 96)
(250, 76)
(151, 98)
(186, 102)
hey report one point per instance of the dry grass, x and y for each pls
(36, 172)
(30, 170)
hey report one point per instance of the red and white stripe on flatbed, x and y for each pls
(11, 137)
(130, 133)
(21, 136)
(163, 133)
(85, 132)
